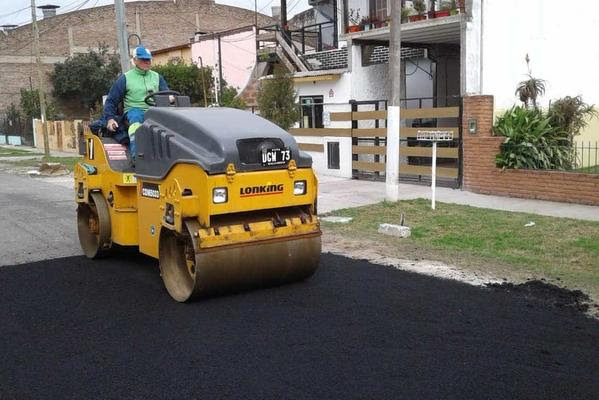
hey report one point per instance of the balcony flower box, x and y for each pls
(414, 18)
(442, 13)
(353, 28)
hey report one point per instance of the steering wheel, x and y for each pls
(161, 92)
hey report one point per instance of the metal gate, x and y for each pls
(369, 130)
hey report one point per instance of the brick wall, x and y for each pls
(482, 176)
(334, 59)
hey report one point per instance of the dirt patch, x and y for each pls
(415, 261)
(549, 294)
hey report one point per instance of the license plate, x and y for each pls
(275, 156)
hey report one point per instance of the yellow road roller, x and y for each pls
(224, 199)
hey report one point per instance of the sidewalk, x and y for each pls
(336, 193)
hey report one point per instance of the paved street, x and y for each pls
(74, 328)
(37, 219)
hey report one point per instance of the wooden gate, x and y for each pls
(369, 150)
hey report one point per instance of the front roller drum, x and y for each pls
(93, 226)
(188, 274)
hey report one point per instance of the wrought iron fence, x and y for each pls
(581, 157)
(586, 157)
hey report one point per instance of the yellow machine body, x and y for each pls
(141, 211)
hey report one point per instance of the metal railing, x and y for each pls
(370, 20)
(580, 157)
(586, 157)
(311, 37)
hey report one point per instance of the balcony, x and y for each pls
(435, 22)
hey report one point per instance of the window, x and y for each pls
(311, 111)
(379, 9)
(333, 155)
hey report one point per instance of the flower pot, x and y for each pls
(367, 27)
(454, 11)
(442, 13)
(353, 28)
(414, 18)
(381, 24)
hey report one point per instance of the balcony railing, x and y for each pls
(356, 21)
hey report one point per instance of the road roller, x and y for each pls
(223, 199)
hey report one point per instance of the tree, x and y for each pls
(231, 99)
(30, 105)
(277, 100)
(86, 76)
(189, 80)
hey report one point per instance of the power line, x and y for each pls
(64, 11)
(14, 12)
(56, 25)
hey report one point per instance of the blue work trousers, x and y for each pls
(135, 116)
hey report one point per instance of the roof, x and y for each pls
(167, 49)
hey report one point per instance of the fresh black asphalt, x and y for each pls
(74, 328)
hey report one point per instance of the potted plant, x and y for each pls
(365, 23)
(455, 8)
(445, 9)
(353, 20)
(377, 23)
(420, 8)
(405, 13)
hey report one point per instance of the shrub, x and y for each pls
(570, 115)
(277, 100)
(189, 80)
(30, 105)
(531, 141)
(86, 76)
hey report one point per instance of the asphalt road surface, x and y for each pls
(74, 328)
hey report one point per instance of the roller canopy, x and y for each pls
(209, 137)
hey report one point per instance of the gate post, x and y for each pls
(392, 157)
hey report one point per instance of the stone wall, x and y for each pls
(159, 23)
(482, 176)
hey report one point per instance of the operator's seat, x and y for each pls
(117, 155)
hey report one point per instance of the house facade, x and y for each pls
(453, 49)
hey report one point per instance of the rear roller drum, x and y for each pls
(187, 273)
(93, 226)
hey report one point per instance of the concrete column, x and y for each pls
(137, 23)
(471, 51)
(71, 43)
(392, 158)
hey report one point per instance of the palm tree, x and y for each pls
(530, 90)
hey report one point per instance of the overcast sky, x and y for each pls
(18, 12)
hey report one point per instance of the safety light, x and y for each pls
(299, 188)
(219, 195)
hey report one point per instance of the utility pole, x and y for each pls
(284, 16)
(220, 72)
(256, 13)
(121, 35)
(393, 111)
(40, 78)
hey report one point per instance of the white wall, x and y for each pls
(339, 102)
(559, 38)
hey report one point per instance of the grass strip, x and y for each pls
(68, 162)
(491, 241)
(12, 152)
